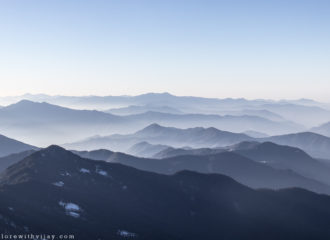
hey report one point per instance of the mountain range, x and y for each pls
(34, 122)
(323, 129)
(9, 146)
(98, 200)
(156, 134)
(159, 166)
(159, 99)
(285, 157)
(136, 109)
(308, 116)
(260, 161)
(266, 173)
(303, 111)
(314, 144)
(145, 149)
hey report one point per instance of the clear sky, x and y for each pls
(252, 49)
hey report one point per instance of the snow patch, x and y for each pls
(65, 174)
(58, 184)
(126, 234)
(84, 170)
(11, 209)
(124, 187)
(71, 209)
(101, 172)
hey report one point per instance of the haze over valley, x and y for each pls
(33, 120)
(165, 120)
(225, 144)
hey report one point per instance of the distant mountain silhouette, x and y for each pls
(255, 134)
(13, 158)
(145, 149)
(303, 111)
(159, 99)
(173, 152)
(9, 146)
(314, 144)
(156, 99)
(156, 134)
(306, 115)
(302, 101)
(242, 169)
(227, 122)
(137, 109)
(285, 157)
(99, 200)
(134, 109)
(323, 129)
(101, 154)
(34, 122)
(268, 153)
(263, 113)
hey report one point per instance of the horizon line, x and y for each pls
(161, 93)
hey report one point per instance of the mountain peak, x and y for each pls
(53, 148)
(24, 101)
(212, 129)
(23, 104)
(49, 163)
(54, 152)
(152, 127)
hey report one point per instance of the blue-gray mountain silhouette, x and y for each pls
(99, 200)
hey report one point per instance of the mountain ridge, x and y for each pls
(314, 144)
(149, 205)
(10, 146)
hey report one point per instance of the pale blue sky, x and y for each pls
(253, 49)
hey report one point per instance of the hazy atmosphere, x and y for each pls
(252, 49)
(165, 120)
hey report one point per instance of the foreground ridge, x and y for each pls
(64, 193)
